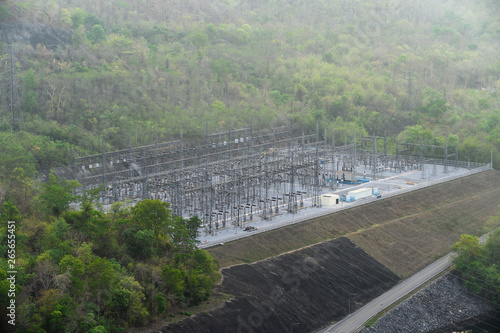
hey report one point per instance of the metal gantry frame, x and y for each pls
(233, 177)
(13, 110)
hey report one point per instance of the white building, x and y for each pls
(360, 193)
(330, 199)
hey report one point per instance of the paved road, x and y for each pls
(358, 318)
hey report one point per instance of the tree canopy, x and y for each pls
(479, 265)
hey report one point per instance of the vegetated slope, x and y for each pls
(435, 216)
(429, 69)
(310, 286)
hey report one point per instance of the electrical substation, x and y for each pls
(241, 176)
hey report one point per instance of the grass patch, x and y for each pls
(372, 321)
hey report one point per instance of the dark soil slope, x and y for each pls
(310, 286)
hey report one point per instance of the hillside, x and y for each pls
(421, 70)
(92, 76)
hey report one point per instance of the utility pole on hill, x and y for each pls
(14, 107)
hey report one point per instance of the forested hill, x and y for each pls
(112, 73)
(417, 69)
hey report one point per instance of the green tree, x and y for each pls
(478, 265)
(90, 198)
(76, 268)
(221, 67)
(435, 105)
(101, 279)
(136, 311)
(139, 242)
(29, 93)
(153, 215)
(78, 17)
(198, 38)
(159, 301)
(468, 246)
(174, 281)
(278, 98)
(13, 155)
(184, 233)
(99, 329)
(300, 92)
(328, 57)
(9, 212)
(97, 34)
(57, 194)
(91, 20)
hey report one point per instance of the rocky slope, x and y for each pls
(34, 33)
(439, 306)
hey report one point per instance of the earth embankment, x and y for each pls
(317, 284)
(405, 232)
(313, 286)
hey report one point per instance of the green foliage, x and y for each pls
(257, 69)
(54, 240)
(99, 329)
(128, 73)
(160, 303)
(436, 105)
(468, 248)
(29, 152)
(57, 194)
(278, 98)
(9, 212)
(90, 198)
(139, 242)
(78, 17)
(184, 233)
(416, 134)
(153, 215)
(92, 20)
(13, 155)
(328, 57)
(5, 13)
(76, 268)
(198, 38)
(479, 266)
(120, 300)
(97, 34)
(103, 276)
(174, 281)
(222, 67)
(29, 94)
(4, 288)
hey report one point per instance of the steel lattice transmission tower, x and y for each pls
(14, 106)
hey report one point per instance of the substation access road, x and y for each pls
(355, 321)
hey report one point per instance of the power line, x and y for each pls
(14, 105)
